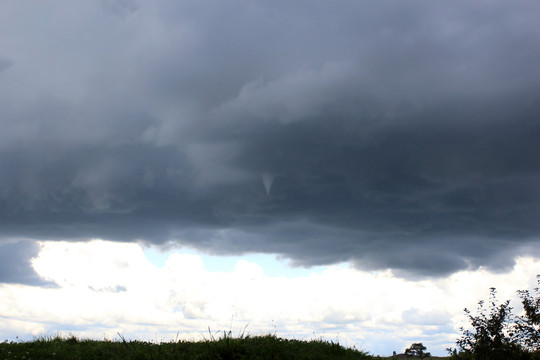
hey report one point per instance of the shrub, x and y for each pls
(528, 325)
(492, 335)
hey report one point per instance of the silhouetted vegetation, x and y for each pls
(417, 350)
(226, 347)
(528, 325)
(496, 334)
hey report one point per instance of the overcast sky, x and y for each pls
(399, 136)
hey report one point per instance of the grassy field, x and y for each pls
(225, 347)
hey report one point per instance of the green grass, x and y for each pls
(226, 347)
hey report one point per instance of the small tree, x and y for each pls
(416, 350)
(492, 336)
(528, 325)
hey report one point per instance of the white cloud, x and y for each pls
(108, 287)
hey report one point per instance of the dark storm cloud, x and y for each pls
(397, 134)
(15, 263)
(5, 63)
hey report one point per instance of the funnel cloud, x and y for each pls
(267, 179)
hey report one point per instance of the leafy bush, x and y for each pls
(495, 333)
(492, 335)
(528, 325)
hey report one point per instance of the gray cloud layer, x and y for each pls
(398, 134)
(16, 263)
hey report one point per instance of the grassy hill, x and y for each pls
(225, 348)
